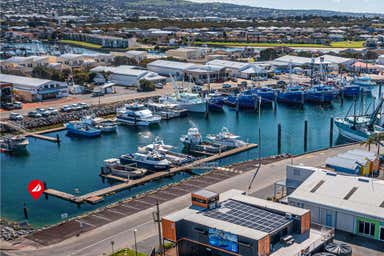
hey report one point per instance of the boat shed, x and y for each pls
(126, 75)
(166, 67)
(30, 89)
(351, 204)
(240, 69)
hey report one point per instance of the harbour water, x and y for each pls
(75, 163)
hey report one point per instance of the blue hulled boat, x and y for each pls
(350, 90)
(321, 94)
(365, 83)
(82, 129)
(216, 102)
(292, 95)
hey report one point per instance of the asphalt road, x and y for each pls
(98, 241)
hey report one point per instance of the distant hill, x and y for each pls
(181, 8)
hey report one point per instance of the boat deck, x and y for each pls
(154, 176)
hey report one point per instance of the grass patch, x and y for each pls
(81, 44)
(345, 44)
(348, 44)
(127, 252)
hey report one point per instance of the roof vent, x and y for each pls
(363, 180)
(313, 190)
(350, 193)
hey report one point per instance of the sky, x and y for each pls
(373, 6)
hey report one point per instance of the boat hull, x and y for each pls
(82, 133)
(149, 166)
(137, 122)
(351, 134)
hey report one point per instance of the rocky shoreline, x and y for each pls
(12, 230)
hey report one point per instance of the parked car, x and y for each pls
(66, 108)
(76, 106)
(16, 117)
(226, 86)
(281, 83)
(83, 105)
(243, 83)
(8, 106)
(97, 94)
(40, 110)
(234, 79)
(199, 82)
(34, 114)
(18, 105)
(159, 85)
(52, 111)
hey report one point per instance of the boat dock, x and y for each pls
(29, 134)
(97, 196)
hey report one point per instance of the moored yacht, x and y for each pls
(152, 160)
(15, 143)
(136, 114)
(225, 138)
(83, 129)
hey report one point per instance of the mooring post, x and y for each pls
(305, 135)
(331, 133)
(302, 100)
(380, 84)
(45, 188)
(279, 139)
(237, 105)
(342, 98)
(58, 139)
(25, 211)
(206, 109)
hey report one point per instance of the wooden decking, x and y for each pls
(131, 183)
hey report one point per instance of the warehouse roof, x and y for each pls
(332, 59)
(334, 190)
(171, 64)
(23, 80)
(121, 70)
(294, 60)
(229, 64)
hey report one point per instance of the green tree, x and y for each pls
(375, 139)
(146, 86)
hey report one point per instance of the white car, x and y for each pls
(52, 111)
(66, 108)
(83, 105)
(226, 86)
(16, 117)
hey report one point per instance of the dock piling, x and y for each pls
(305, 135)
(380, 84)
(206, 109)
(25, 209)
(331, 133)
(279, 139)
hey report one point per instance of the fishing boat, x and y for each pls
(185, 100)
(83, 129)
(105, 125)
(166, 110)
(152, 160)
(158, 144)
(365, 83)
(15, 143)
(115, 167)
(136, 114)
(194, 143)
(291, 95)
(359, 128)
(321, 94)
(226, 139)
(350, 90)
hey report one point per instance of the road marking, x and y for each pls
(116, 212)
(101, 217)
(86, 223)
(109, 238)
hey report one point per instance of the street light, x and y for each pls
(134, 236)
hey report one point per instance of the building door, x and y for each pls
(381, 237)
(328, 219)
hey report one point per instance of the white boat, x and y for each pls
(158, 145)
(225, 138)
(152, 160)
(192, 137)
(359, 128)
(15, 143)
(105, 125)
(113, 166)
(166, 110)
(186, 100)
(136, 114)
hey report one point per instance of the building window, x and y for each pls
(366, 228)
(381, 234)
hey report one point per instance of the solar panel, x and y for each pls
(250, 216)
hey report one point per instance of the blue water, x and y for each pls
(75, 164)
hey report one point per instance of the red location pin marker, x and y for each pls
(36, 188)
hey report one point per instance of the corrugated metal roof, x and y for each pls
(23, 80)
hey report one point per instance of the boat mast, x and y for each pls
(373, 118)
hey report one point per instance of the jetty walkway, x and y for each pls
(97, 196)
(27, 133)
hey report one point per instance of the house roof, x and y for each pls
(334, 190)
(229, 64)
(171, 64)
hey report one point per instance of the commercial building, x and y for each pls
(104, 41)
(125, 75)
(188, 53)
(348, 203)
(166, 67)
(235, 224)
(240, 69)
(30, 89)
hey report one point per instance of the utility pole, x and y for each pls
(156, 218)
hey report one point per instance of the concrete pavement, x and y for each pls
(98, 241)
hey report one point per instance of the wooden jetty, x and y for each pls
(97, 196)
(27, 133)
